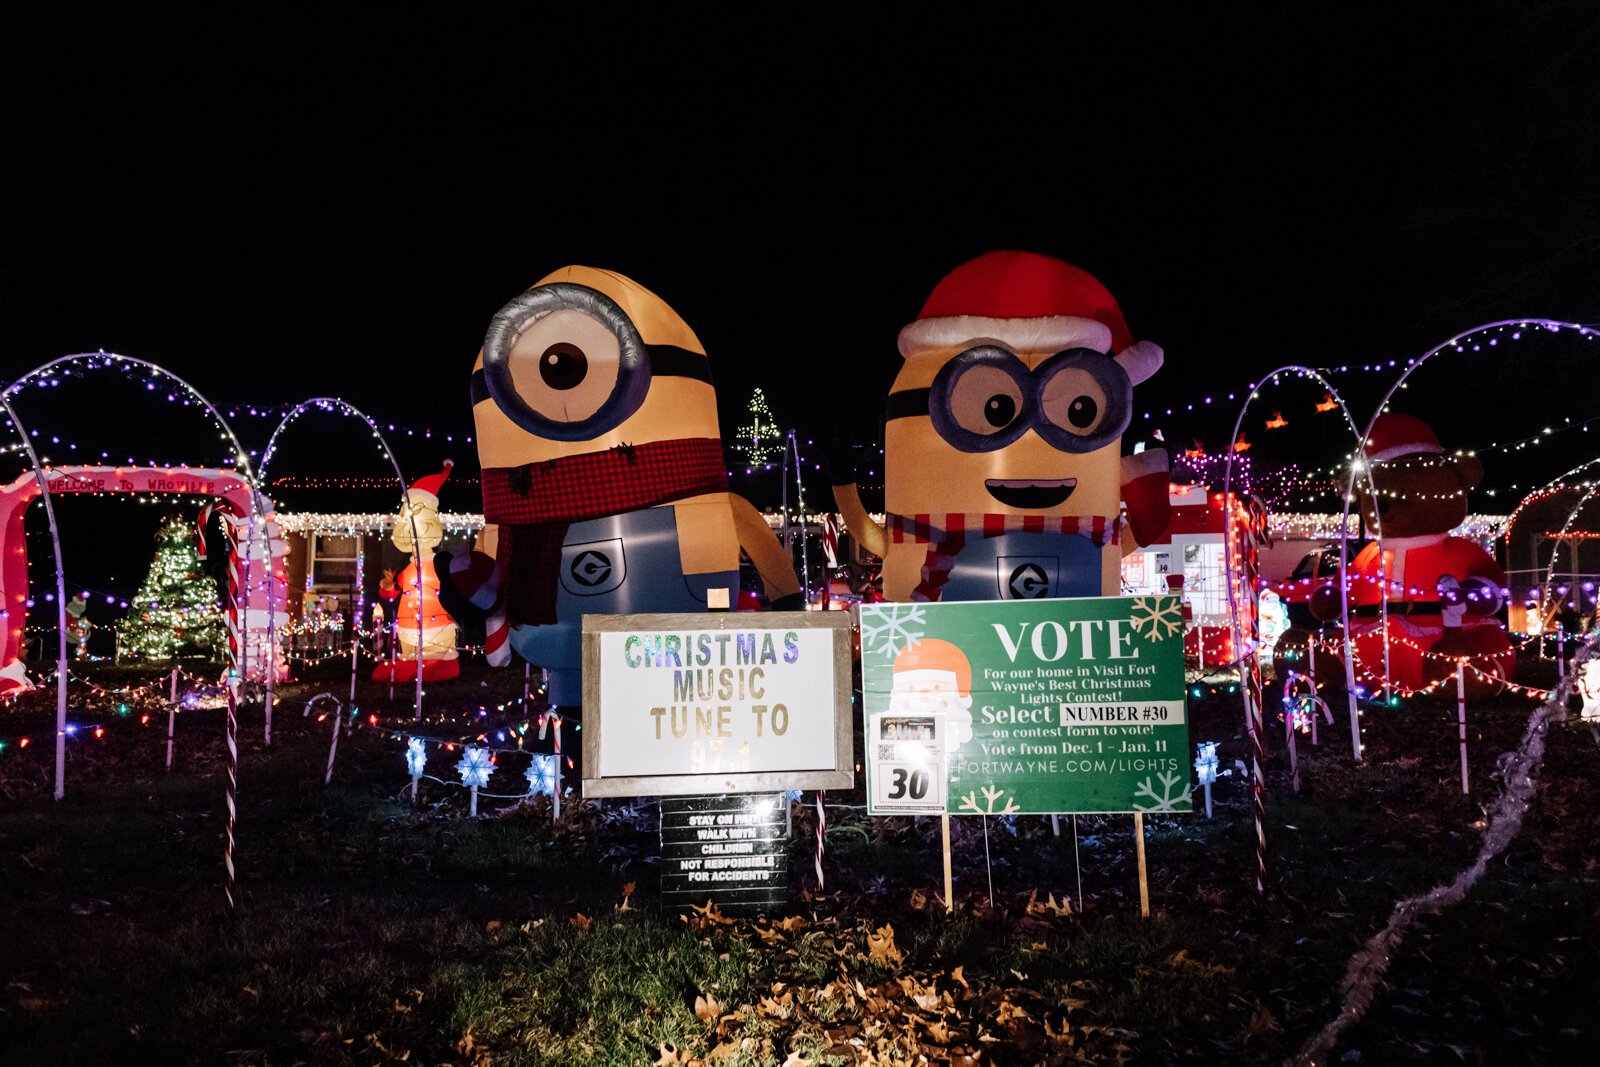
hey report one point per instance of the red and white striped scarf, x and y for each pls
(921, 529)
(946, 540)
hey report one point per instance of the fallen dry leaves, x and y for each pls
(876, 1010)
(881, 946)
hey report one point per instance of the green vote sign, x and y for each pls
(1025, 706)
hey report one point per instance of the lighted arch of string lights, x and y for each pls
(15, 421)
(1251, 686)
(335, 405)
(49, 374)
(1552, 595)
(1249, 659)
(1488, 335)
(1544, 606)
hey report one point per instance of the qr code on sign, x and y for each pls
(885, 752)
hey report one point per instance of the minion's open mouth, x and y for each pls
(1030, 492)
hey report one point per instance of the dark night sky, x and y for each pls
(280, 201)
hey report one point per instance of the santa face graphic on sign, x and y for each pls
(933, 677)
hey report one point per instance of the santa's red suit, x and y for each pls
(1427, 582)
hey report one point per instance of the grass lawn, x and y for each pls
(370, 931)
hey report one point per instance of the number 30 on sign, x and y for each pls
(909, 765)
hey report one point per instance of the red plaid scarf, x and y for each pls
(537, 502)
(945, 542)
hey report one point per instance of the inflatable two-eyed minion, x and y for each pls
(1004, 477)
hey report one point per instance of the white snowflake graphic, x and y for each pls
(1162, 616)
(541, 774)
(1167, 800)
(475, 767)
(887, 628)
(990, 795)
(416, 756)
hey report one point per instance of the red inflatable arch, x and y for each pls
(249, 624)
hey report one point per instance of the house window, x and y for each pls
(333, 563)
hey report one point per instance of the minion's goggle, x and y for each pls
(985, 398)
(636, 364)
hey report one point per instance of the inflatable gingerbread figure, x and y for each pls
(1443, 591)
(1004, 472)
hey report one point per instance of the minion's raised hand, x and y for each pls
(603, 469)
(1004, 474)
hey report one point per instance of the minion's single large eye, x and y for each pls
(565, 363)
(565, 366)
(1085, 400)
(978, 401)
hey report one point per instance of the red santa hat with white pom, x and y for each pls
(425, 490)
(1395, 434)
(1026, 302)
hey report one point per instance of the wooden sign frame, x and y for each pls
(840, 775)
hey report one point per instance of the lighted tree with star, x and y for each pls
(760, 439)
(175, 613)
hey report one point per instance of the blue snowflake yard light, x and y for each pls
(475, 767)
(541, 775)
(416, 759)
(1205, 768)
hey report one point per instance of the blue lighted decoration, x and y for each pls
(541, 775)
(475, 767)
(416, 757)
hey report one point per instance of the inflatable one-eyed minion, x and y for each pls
(1004, 477)
(603, 471)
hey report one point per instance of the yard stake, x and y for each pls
(358, 609)
(555, 797)
(1144, 882)
(1311, 673)
(944, 833)
(1077, 865)
(1461, 718)
(988, 866)
(1294, 755)
(172, 714)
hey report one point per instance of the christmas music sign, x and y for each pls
(1025, 706)
(685, 704)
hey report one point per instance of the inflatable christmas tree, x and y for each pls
(175, 612)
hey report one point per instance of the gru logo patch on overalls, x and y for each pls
(593, 567)
(1026, 577)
